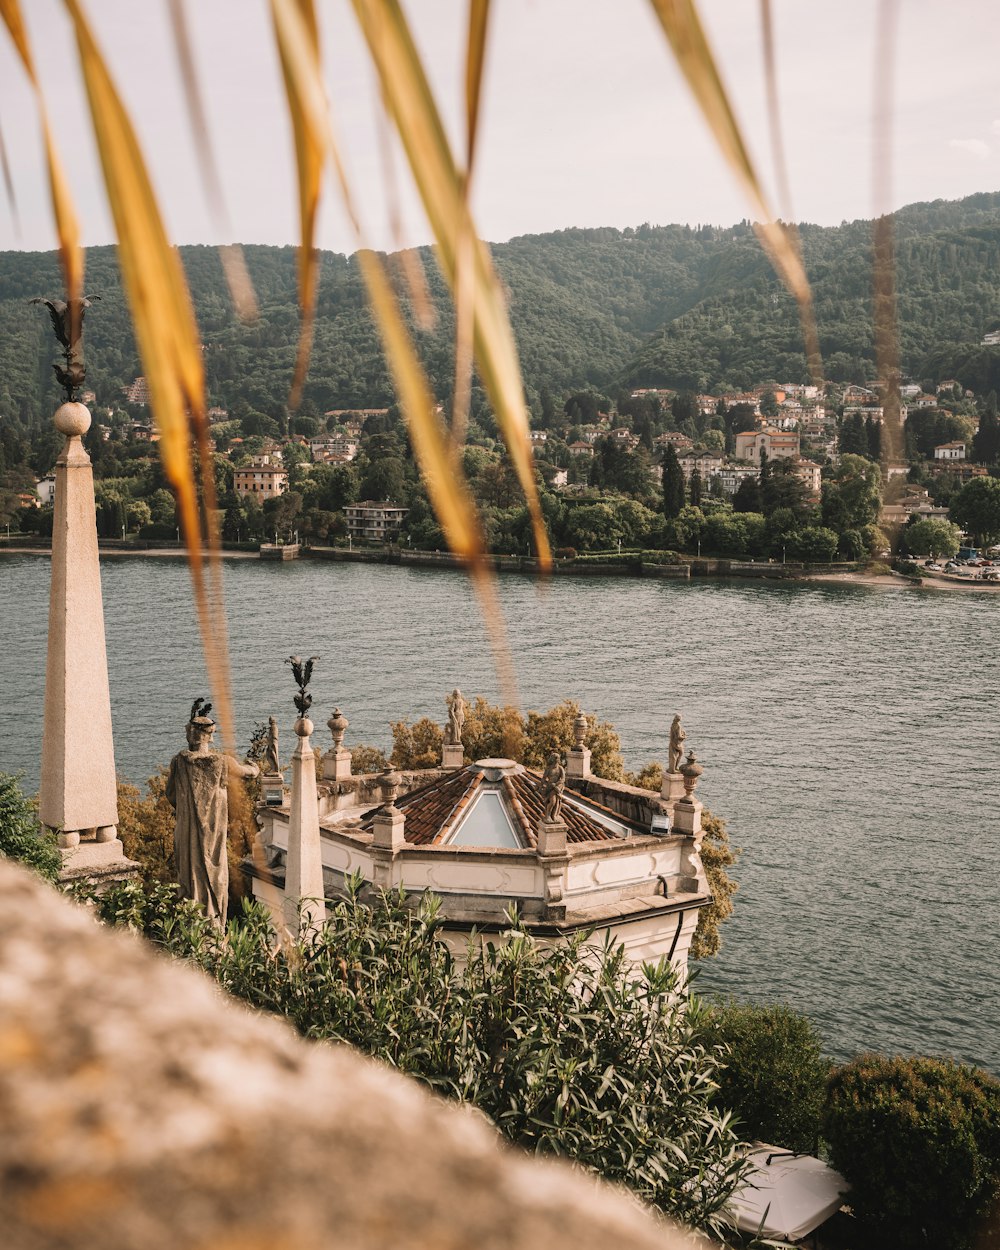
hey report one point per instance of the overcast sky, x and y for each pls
(586, 120)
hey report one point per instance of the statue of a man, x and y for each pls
(553, 784)
(677, 739)
(197, 790)
(271, 761)
(456, 718)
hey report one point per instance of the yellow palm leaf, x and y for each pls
(297, 36)
(166, 335)
(686, 36)
(67, 224)
(441, 186)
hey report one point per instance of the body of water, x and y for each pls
(849, 737)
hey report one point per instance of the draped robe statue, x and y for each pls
(197, 789)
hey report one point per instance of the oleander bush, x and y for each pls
(565, 1048)
(773, 1075)
(919, 1141)
(21, 836)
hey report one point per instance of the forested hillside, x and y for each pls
(676, 306)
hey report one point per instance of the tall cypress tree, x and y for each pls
(673, 483)
(694, 489)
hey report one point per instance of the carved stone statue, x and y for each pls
(677, 739)
(456, 718)
(553, 784)
(197, 790)
(271, 762)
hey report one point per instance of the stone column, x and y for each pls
(77, 794)
(337, 761)
(578, 758)
(304, 896)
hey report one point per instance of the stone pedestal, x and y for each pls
(687, 818)
(672, 788)
(452, 755)
(578, 764)
(551, 839)
(388, 829)
(337, 765)
(304, 901)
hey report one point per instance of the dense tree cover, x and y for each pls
(976, 508)
(932, 536)
(692, 309)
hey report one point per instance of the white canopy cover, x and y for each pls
(798, 1192)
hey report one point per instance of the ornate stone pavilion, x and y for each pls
(571, 851)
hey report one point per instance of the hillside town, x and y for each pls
(778, 472)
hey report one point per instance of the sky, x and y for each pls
(586, 119)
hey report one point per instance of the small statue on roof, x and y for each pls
(455, 704)
(677, 740)
(271, 762)
(553, 784)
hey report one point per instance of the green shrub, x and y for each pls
(919, 1142)
(567, 1051)
(774, 1074)
(21, 836)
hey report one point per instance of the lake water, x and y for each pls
(848, 733)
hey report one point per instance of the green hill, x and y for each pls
(672, 306)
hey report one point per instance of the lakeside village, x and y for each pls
(780, 473)
(496, 915)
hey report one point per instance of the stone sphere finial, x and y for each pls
(304, 727)
(338, 724)
(691, 771)
(580, 727)
(389, 784)
(72, 419)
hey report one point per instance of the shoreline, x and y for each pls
(697, 569)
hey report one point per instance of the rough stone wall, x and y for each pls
(141, 1108)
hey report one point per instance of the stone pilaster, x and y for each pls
(78, 794)
(304, 897)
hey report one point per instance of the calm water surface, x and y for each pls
(849, 736)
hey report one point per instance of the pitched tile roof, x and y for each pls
(433, 810)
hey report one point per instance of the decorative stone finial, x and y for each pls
(389, 784)
(691, 771)
(580, 727)
(338, 724)
(72, 420)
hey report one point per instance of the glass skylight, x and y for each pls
(486, 823)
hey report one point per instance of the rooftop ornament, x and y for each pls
(302, 672)
(67, 322)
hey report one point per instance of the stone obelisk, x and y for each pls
(77, 795)
(304, 901)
